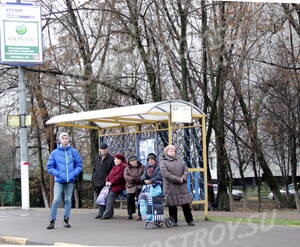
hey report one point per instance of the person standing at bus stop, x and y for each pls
(175, 174)
(65, 165)
(103, 164)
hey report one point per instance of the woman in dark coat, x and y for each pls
(175, 173)
(116, 181)
(152, 171)
(132, 174)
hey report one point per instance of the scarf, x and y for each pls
(150, 170)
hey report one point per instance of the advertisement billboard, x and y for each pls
(21, 37)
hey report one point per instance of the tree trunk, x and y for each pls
(230, 186)
(256, 145)
(293, 143)
(257, 182)
(244, 189)
(136, 35)
(45, 195)
(42, 172)
(222, 198)
(204, 42)
(241, 168)
(91, 86)
(222, 161)
(37, 94)
(204, 33)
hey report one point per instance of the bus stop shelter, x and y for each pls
(141, 129)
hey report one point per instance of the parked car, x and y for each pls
(236, 194)
(291, 190)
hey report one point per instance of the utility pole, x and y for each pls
(23, 138)
(23, 48)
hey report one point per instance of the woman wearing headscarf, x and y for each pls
(116, 181)
(151, 197)
(132, 174)
(175, 173)
(152, 171)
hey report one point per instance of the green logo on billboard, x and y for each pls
(21, 29)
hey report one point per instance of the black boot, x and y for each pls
(51, 225)
(191, 223)
(129, 217)
(100, 212)
(66, 222)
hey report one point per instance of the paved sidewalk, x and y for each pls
(29, 227)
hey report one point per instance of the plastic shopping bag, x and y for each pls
(102, 197)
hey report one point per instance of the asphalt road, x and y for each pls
(31, 224)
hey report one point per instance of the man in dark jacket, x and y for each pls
(104, 162)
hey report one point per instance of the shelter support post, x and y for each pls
(170, 130)
(52, 147)
(205, 167)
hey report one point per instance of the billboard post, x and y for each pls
(21, 45)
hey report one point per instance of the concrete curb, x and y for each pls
(26, 241)
(21, 241)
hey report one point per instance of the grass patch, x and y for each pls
(276, 221)
(263, 195)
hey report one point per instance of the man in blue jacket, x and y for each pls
(65, 165)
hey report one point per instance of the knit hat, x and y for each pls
(119, 157)
(151, 156)
(132, 157)
(63, 134)
(103, 146)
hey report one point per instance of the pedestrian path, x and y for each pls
(28, 227)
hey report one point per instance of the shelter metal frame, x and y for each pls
(122, 121)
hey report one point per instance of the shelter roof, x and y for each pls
(122, 116)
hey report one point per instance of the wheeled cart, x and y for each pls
(151, 207)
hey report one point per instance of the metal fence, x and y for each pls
(9, 178)
(188, 142)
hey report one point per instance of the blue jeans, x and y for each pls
(68, 191)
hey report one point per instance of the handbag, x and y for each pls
(102, 197)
